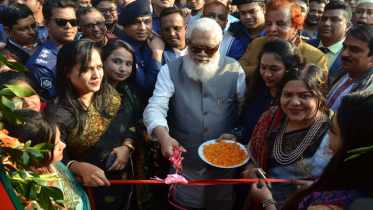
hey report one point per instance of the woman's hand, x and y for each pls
(92, 175)
(301, 184)
(251, 173)
(122, 154)
(227, 136)
(260, 192)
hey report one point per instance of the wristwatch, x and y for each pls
(269, 201)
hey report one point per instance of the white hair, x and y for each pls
(198, 71)
(206, 25)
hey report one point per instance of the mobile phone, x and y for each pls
(110, 161)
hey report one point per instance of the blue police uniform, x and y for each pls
(147, 68)
(240, 32)
(42, 69)
(157, 22)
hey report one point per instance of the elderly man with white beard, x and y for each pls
(202, 93)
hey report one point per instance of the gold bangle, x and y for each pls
(69, 163)
(129, 139)
(132, 149)
(243, 172)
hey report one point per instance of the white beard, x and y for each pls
(201, 72)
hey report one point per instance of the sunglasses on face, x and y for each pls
(105, 10)
(212, 15)
(168, 29)
(25, 29)
(208, 50)
(192, 0)
(62, 22)
(90, 27)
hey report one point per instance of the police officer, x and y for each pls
(251, 25)
(136, 19)
(61, 23)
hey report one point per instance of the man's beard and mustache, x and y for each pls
(201, 72)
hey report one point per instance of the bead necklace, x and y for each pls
(286, 159)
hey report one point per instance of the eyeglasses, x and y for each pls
(192, 0)
(212, 15)
(105, 10)
(208, 50)
(62, 22)
(90, 27)
(168, 29)
(26, 29)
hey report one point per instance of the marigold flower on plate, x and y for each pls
(224, 154)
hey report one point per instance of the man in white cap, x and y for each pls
(363, 13)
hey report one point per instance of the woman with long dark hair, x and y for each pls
(96, 124)
(342, 181)
(290, 141)
(41, 129)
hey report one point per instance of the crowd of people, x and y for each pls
(120, 83)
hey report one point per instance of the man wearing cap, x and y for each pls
(231, 19)
(158, 7)
(136, 19)
(173, 30)
(333, 25)
(197, 96)
(363, 13)
(230, 46)
(251, 25)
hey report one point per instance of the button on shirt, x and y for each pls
(333, 51)
(42, 69)
(147, 68)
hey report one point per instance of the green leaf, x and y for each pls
(24, 189)
(44, 200)
(17, 102)
(7, 92)
(3, 58)
(39, 181)
(8, 103)
(34, 154)
(24, 159)
(352, 157)
(27, 144)
(21, 90)
(16, 66)
(13, 152)
(19, 118)
(33, 193)
(22, 173)
(54, 192)
(1, 123)
(43, 146)
(7, 113)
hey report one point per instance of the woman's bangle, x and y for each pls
(129, 139)
(243, 172)
(70, 163)
(132, 149)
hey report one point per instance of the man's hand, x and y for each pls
(301, 184)
(227, 136)
(166, 141)
(187, 12)
(156, 45)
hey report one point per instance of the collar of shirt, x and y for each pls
(335, 48)
(52, 46)
(26, 49)
(247, 32)
(179, 53)
(155, 15)
(135, 45)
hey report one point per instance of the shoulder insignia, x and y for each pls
(46, 82)
(43, 57)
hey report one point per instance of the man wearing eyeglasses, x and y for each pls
(136, 19)
(108, 9)
(62, 25)
(159, 6)
(230, 46)
(196, 97)
(22, 29)
(92, 25)
(173, 30)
